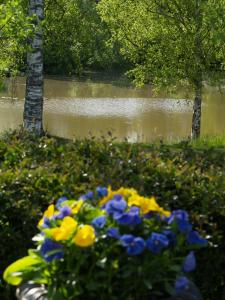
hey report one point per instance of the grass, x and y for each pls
(215, 141)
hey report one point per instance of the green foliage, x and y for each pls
(22, 264)
(169, 41)
(35, 172)
(15, 27)
(75, 38)
(210, 141)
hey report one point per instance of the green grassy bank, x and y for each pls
(37, 171)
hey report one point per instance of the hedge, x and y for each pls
(37, 171)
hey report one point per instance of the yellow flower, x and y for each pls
(121, 191)
(77, 206)
(126, 192)
(62, 233)
(147, 205)
(85, 236)
(135, 200)
(47, 214)
(164, 212)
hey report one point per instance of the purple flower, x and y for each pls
(149, 215)
(182, 220)
(63, 212)
(46, 223)
(51, 250)
(60, 201)
(87, 196)
(157, 242)
(194, 238)
(189, 263)
(179, 214)
(101, 191)
(134, 245)
(116, 206)
(99, 222)
(118, 197)
(113, 233)
(182, 283)
(132, 217)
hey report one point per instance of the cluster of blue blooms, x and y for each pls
(137, 224)
(117, 207)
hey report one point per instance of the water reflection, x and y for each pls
(83, 108)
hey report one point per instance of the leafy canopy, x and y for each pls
(75, 37)
(14, 29)
(169, 40)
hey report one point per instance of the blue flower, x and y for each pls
(116, 206)
(101, 191)
(189, 263)
(132, 217)
(149, 215)
(157, 242)
(182, 284)
(99, 222)
(87, 196)
(113, 233)
(182, 220)
(134, 245)
(180, 214)
(64, 212)
(51, 250)
(171, 237)
(46, 223)
(118, 197)
(60, 201)
(194, 238)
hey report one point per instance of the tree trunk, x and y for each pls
(33, 107)
(196, 119)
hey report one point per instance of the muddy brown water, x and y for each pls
(84, 108)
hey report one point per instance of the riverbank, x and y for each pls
(37, 171)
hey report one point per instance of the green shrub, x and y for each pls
(34, 172)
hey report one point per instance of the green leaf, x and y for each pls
(14, 273)
(148, 284)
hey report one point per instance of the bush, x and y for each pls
(35, 172)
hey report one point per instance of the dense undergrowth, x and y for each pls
(35, 172)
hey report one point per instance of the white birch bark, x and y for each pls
(197, 108)
(196, 119)
(33, 107)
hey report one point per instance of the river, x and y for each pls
(96, 107)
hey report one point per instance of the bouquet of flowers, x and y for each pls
(113, 244)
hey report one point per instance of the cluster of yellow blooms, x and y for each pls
(133, 198)
(85, 234)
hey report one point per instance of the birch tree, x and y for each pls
(171, 42)
(33, 107)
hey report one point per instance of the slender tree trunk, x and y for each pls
(33, 108)
(196, 119)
